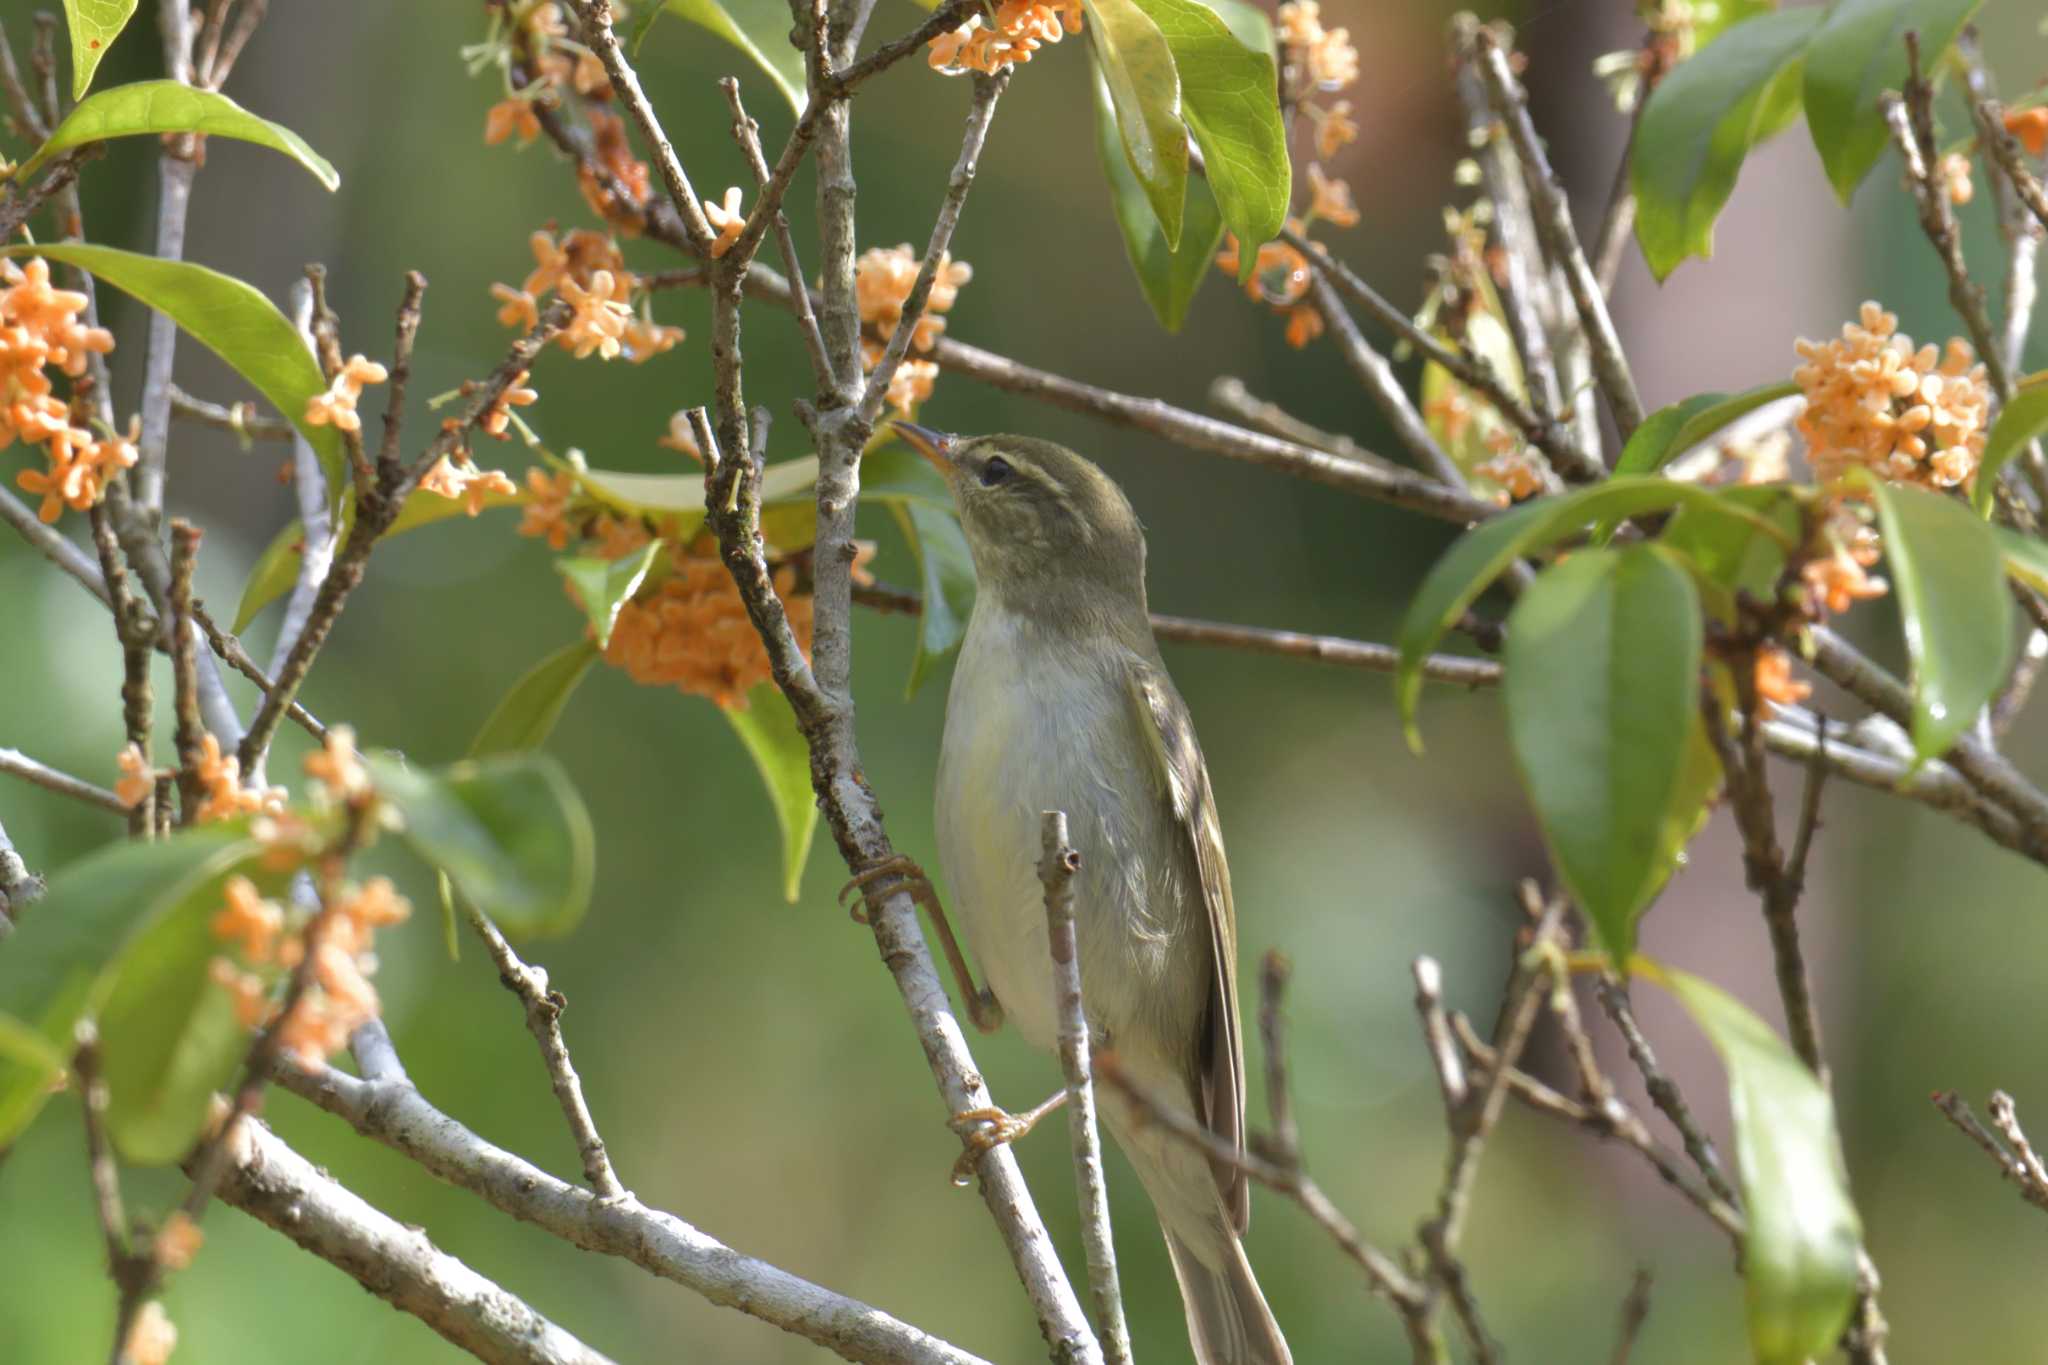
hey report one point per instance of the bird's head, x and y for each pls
(1044, 524)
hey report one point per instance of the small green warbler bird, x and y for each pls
(1060, 702)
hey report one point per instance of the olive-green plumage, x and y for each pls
(1060, 701)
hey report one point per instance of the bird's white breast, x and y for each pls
(1032, 727)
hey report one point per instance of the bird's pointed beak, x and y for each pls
(935, 446)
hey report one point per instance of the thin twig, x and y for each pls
(2006, 151)
(15, 763)
(2020, 1164)
(385, 1107)
(1376, 376)
(1635, 1311)
(1228, 394)
(987, 90)
(1560, 239)
(748, 134)
(273, 1184)
(184, 641)
(544, 1021)
(1056, 868)
(1664, 1092)
(244, 419)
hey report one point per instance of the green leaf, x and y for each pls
(169, 1035)
(2025, 557)
(1132, 56)
(169, 107)
(1485, 553)
(510, 830)
(1799, 1259)
(527, 715)
(682, 495)
(1738, 556)
(1701, 121)
(230, 319)
(1856, 55)
(2022, 419)
(94, 26)
(1230, 95)
(1248, 22)
(768, 728)
(758, 28)
(603, 585)
(1950, 578)
(1602, 685)
(1167, 277)
(1671, 431)
(63, 961)
(924, 510)
(277, 568)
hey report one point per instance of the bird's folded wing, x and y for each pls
(1183, 782)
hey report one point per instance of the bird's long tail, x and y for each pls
(1228, 1320)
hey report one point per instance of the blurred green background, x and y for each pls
(747, 1059)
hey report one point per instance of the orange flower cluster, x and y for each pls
(629, 174)
(691, 629)
(337, 406)
(882, 281)
(464, 482)
(221, 775)
(40, 328)
(588, 270)
(339, 997)
(1514, 466)
(1774, 680)
(547, 514)
(1872, 400)
(541, 41)
(726, 220)
(1839, 579)
(1316, 58)
(1280, 280)
(1010, 33)
(1954, 174)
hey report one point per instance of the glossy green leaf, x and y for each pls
(1857, 54)
(1167, 277)
(277, 568)
(923, 507)
(510, 830)
(1229, 93)
(1799, 1259)
(230, 319)
(1601, 682)
(1946, 567)
(663, 495)
(61, 962)
(1739, 556)
(168, 1033)
(1485, 552)
(1671, 431)
(94, 26)
(1699, 124)
(1144, 87)
(527, 715)
(768, 728)
(2022, 419)
(168, 107)
(1248, 22)
(603, 585)
(758, 28)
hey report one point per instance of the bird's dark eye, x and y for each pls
(995, 471)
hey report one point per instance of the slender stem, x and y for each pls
(1056, 868)
(15, 763)
(1560, 238)
(184, 640)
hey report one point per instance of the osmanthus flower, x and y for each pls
(227, 796)
(1009, 33)
(1773, 677)
(1872, 400)
(628, 174)
(1315, 58)
(882, 280)
(152, 1338)
(337, 772)
(690, 630)
(337, 406)
(137, 780)
(546, 514)
(498, 416)
(1514, 465)
(601, 317)
(1954, 174)
(464, 482)
(40, 331)
(1840, 578)
(178, 1241)
(2030, 126)
(509, 117)
(1335, 128)
(1329, 199)
(726, 220)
